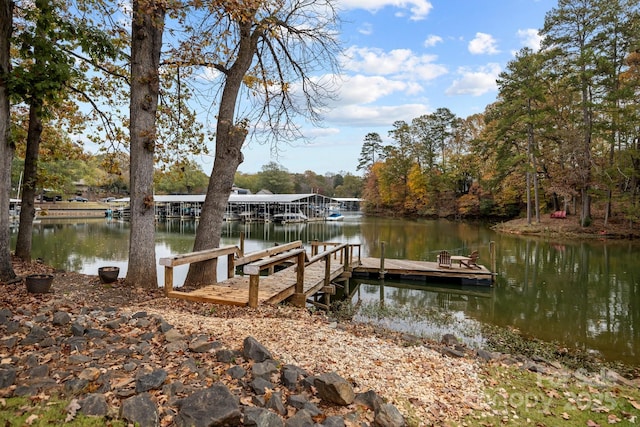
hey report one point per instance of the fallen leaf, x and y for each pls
(592, 423)
(31, 419)
(565, 416)
(72, 409)
(613, 419)
(634, 404)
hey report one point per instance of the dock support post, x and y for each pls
(299, 299)
(231, 266)
(242, 243)
(381, 272)
(254, 279)
(492, 252)
(168, 280)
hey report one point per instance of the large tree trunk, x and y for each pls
(146, 44)
(6, 146)
(229, 140)
(27, 206)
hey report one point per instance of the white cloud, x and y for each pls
(530, 38)
(475, 82)
(419, 9)
(398, 62)
(369, 116)
(366, 29)
(432, 40)
(483, 44)
(361, 89)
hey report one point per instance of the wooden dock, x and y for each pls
(407, 269)
(291, 274)
(287, 272)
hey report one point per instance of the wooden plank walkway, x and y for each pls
(273, 289)
(423, 269)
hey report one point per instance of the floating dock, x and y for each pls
(423, 270)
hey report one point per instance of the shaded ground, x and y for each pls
(570, 228)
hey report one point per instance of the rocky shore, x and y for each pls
(132, 355)
(122, 353)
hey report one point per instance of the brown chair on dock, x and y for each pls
(444, 259)
(472, 261)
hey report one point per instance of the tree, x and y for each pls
(49, 46)
(39, 81)
(6, 144)
(371, 147)
(147, 27)
(275, 179)
(185, 177)
(522, 91)
(271, 48)
(570, 31)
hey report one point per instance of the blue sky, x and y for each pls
(403, 59)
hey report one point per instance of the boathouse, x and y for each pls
(245, 207)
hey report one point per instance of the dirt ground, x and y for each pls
(570, 227)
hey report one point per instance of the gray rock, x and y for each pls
(7, 376)
(5, 315)
(335, 389)
(291, 375)
(259, 417)
(94, 404)
(35, 336)
(485, 355)
(78, 359)
(300, 401)
(139, 315)
(449, 339)
(39, 371)
(334, 421)
(275, 403)
(61, 318)
(152, 381)
(301, 419)
(260, 385)
(227, 356)
(114, 324)
(164, 327)
(236, 372)
(202, 344)
(176, 347)
(264, 369)
(369, 399)
(173, 335)
(77, 329)
(95, 333)
(253, 350)
(140, 410)
(388, 416)
(76, 386)
(452, 352)
(212, 407)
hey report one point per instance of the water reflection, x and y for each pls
(584, 294)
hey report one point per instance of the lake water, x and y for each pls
(584, 294)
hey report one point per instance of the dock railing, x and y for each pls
(192, 257)
(253, 270)
(347, 256)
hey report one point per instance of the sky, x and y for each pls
(403, 59)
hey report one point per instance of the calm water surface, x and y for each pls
(582, 294)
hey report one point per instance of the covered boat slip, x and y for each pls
(246, 207)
